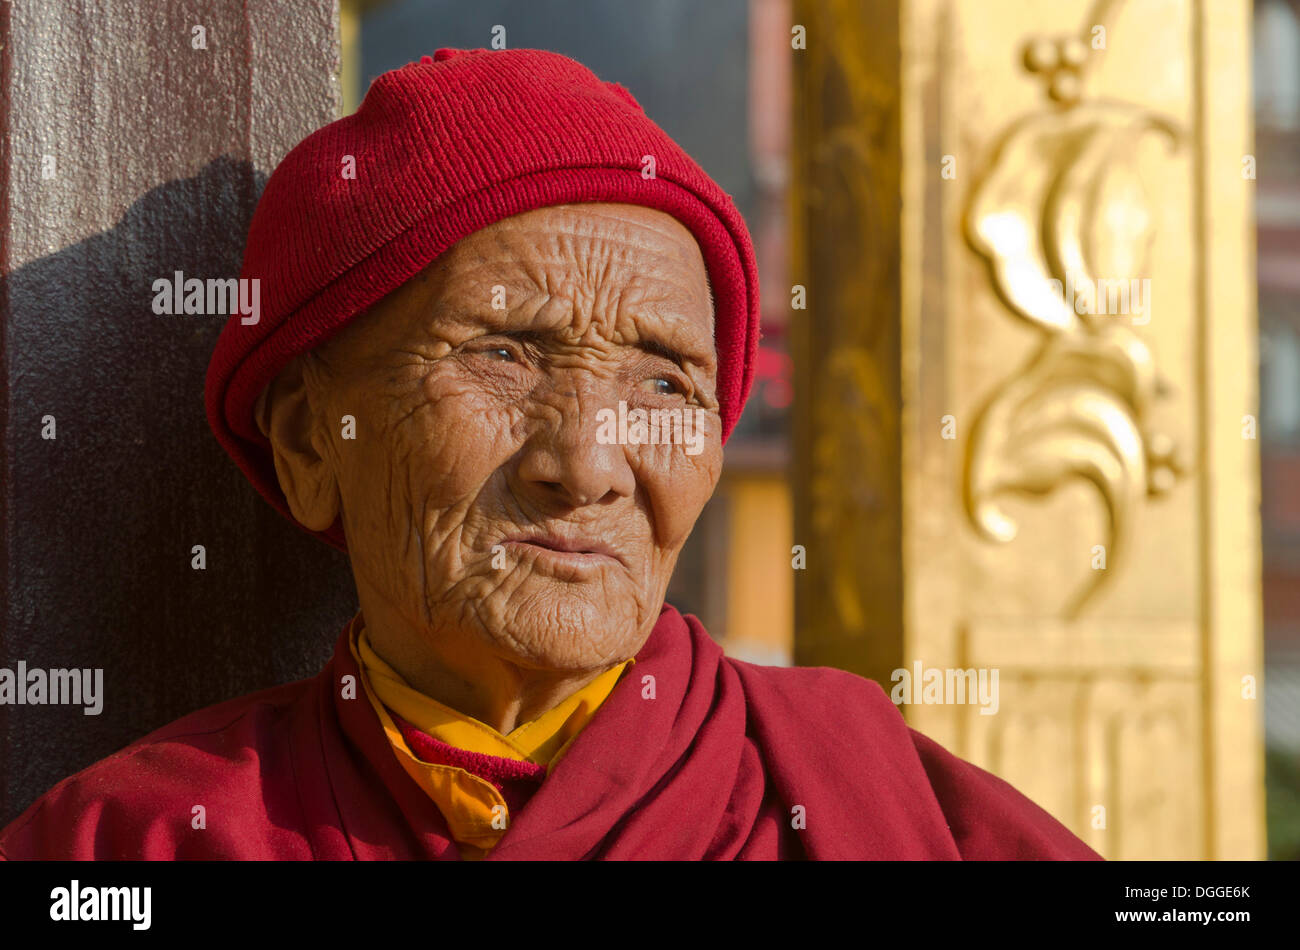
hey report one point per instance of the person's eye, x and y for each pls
(662, 386)
(498, 353)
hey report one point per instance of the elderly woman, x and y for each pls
(462, 283)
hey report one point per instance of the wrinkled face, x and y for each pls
(493, 490)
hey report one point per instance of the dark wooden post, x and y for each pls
(136, 136)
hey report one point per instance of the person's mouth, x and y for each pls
(576, 550)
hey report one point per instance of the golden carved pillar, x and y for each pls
(1025, 389)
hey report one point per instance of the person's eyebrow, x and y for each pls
(656, 348)
(540, 338)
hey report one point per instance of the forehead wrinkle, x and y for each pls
(627, 223)
(606, 270)
(523, 256)
(567, 230)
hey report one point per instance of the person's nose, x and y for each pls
(563, 458)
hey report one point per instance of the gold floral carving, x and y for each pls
(1061, 216)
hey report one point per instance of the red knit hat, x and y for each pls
(443, 148)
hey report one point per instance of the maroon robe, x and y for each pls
(724, 762)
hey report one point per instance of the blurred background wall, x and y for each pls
(1276, 75)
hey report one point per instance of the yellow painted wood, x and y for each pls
(349, 55)
(760, 585)
(1004, 459)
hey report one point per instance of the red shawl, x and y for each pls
(728, 760)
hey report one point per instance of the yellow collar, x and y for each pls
(476, 813)
(537, 741)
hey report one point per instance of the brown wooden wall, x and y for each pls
(159, 153)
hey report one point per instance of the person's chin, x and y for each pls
(564, 626)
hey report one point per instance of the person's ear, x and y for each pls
(285, 416)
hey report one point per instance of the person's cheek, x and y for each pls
(464, 432)
(679, 484)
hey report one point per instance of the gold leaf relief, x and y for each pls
(1064, 222)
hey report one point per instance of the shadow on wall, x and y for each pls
(100, 522)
